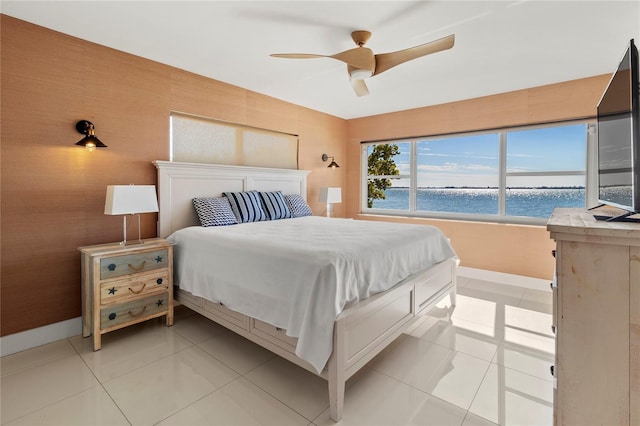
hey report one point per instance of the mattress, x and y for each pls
(299, 274)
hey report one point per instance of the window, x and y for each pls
(513, 175)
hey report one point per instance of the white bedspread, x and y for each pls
(299, 274)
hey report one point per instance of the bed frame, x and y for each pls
(360, 332)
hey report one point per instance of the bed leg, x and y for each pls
(336, 379)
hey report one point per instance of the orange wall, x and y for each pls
(53, 192)
(515, 249)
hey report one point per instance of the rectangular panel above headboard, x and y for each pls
(179, 183)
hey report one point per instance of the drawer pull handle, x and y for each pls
(111, 267)
(138, 314)
(159, 281)
(552, 371)
(139, 268)
(112, 316)
(553, 253)
(139, 291)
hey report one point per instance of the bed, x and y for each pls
(300, 304)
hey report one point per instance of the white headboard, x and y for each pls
(179, 183)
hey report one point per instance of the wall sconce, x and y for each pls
(130, 200)
(330, 196)
(90, 141)
(333, 163)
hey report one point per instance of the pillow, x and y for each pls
(297, 205)
(274, 205)
(214, 211)
(246, 206)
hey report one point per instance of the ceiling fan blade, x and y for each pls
(359, 87)
(385, 61)
(360, 58)
(297, 55)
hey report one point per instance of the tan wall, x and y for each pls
(523, 250)
(53, 192)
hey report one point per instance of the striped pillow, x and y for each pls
(274, 205)
(246, 206)
(297, 205)
(214, 211)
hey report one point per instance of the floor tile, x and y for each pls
(36, 356)
(483, 362)
(91, 407)
(508, 397)
(493, 288)
(376, 399)
(197, 328)
(29, 390)
(159, 389)
(238, 403)
(482, 308)
(528, 320)
(129, 348)
(447, 374)
(522, 357)
(296, 387)
(460, 335)
(538, 296)
(235, 351)
(473, 420)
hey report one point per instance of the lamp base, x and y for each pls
(131, 243)
(124, 242)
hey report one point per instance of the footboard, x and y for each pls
(364, 330)
(360, 332)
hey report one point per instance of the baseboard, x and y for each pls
(24, 340)
(506, 279)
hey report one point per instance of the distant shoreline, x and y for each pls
(488, 187)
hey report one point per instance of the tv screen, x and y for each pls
(619, 136)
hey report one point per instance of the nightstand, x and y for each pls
(125, 285)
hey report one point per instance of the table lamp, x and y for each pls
(130, 200)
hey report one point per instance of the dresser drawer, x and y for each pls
(133, 311)
(134, 286)
(117, 266)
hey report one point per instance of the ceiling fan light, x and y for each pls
(360, 74)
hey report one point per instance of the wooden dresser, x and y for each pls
(597, 320)
(125, 285)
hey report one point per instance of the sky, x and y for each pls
(473, 160)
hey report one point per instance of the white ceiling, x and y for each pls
(500, 45)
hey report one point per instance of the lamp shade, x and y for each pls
(130, 199)
(330, 195)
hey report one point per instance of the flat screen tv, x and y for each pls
(619, 137)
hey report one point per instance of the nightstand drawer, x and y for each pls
(117, 266)
(134, 286)
(136, 310)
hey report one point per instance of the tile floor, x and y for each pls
(487, 363)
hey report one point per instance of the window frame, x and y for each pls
(590, 173)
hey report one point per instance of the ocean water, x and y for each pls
(532, 202)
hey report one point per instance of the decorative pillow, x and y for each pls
(297, 205)
(246, 206)
(214, 211)
(274, 205)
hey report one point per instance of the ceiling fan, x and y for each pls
(362, 63)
